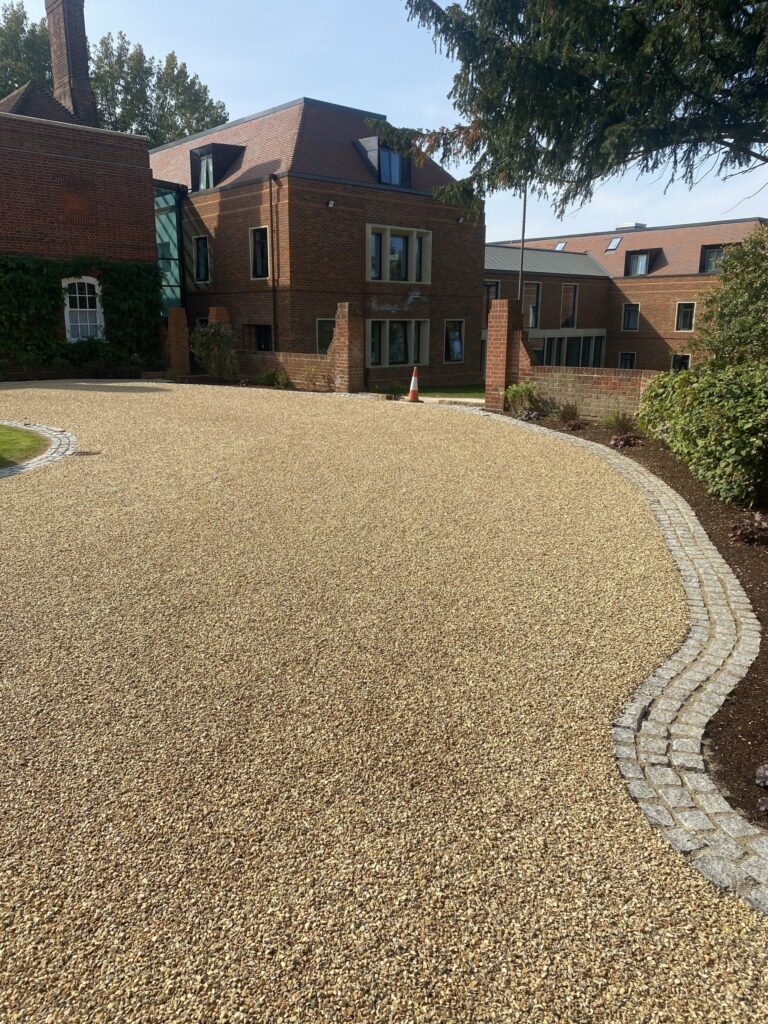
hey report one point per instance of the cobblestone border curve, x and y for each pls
(658, 739)
(62, 443)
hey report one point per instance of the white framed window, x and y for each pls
(680, 361)
(531, 304)
(630, 316)
(397, 343)
(614, 243)
(685, 316)
(398, 254)
(324, 329)
(202, 259)
(627, 360)
(560, 247)
(83, 312)
(453, 351)
(577, 349)
(259, 242)
(569, 305)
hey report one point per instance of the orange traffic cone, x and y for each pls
(413, 394)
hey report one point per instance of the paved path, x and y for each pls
(306, 711)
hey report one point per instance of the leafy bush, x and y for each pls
(619, 441)
(272, 379)
(396, 391)
(568, 412)
(716, 420)
(213, 345)
(733, 325)
(752, 529)
(521, 397)
(620, 422)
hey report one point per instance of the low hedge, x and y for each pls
(716, 421)
(32, 316)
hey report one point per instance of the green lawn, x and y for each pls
(19, 445)
(453, 392)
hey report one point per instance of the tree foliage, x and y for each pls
(734, 321)
(557, 94)
(134, 92)
(24, 52)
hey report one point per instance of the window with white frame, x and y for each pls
(630, 316)
(560, 247)
(685, 316)
(399, 254)
(614, 243)
(454, 341)
(397, 343)
(202, 260)
(83, 312)
(324, 334)
(259, 253)
(680, 361)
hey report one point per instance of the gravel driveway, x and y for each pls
(306, 708)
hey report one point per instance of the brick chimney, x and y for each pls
(69, 56)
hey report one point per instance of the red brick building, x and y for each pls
(301, 207)
(653, 280)
(70, 189)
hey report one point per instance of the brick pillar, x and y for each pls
(507, 359)
(178, 341)
(347, 350)
(218, 315)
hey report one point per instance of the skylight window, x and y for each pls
(560, 246)
(614, 243)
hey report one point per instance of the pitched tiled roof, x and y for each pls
(506, 259)
(306, 137)
(31, 101)
(678, 245)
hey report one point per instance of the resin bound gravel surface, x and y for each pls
(306, 710)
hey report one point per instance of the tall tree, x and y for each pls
(24, 50)
(134, 92)
(557, 94)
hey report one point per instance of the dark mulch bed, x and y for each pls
(737, 738)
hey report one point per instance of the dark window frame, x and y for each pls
(197, 269)
(260, 251)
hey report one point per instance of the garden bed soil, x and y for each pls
(736, 741)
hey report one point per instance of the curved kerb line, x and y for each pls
(658, 739)
(62, 443)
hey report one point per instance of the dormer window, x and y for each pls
(388, 166)
(711, 257)
(206, 172)
(637, 264)
(209, 165)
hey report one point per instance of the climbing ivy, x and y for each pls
(32, 316)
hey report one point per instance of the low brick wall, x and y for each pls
(306, 372)
(594, 392)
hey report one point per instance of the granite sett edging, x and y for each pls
(658, 739)
(62, 443)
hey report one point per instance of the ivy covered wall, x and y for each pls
(32, 330)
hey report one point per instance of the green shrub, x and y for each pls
(521, 397)
(213, 345)
(568, 413)
(620, 422)
(272, 379)
(716, 421)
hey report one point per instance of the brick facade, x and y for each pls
(676, 275)
(595, 392)
(71, 191)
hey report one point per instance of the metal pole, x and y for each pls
(522, 246)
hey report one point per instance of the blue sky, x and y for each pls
(365, 53)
